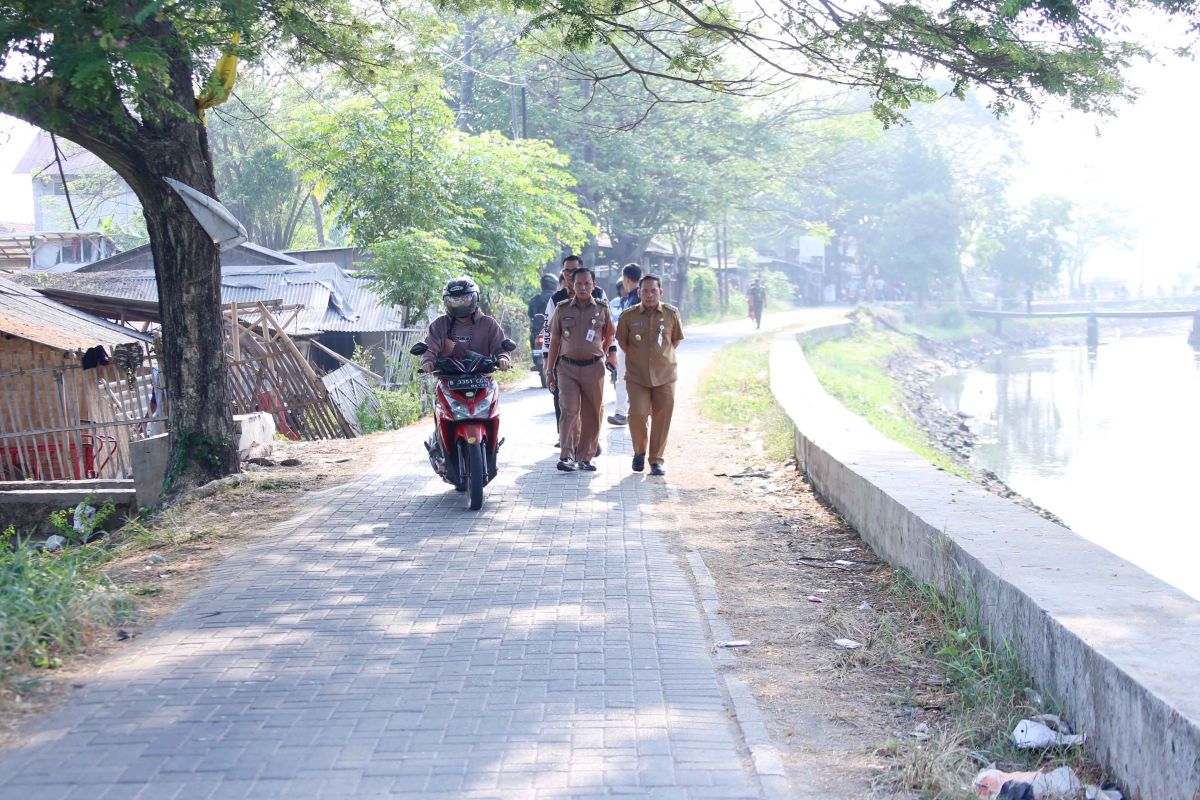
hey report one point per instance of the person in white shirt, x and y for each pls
(630, 276)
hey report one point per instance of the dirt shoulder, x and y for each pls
(771, 544)
(160, 562)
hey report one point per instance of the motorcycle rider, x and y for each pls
(464, 328)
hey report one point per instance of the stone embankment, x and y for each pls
(1113, 645)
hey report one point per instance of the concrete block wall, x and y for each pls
(1118, 648)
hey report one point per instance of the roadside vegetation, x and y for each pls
(854, 370)
(962, 695)
(53, 600)
(735, 391)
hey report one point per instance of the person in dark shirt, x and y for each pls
(537, 306)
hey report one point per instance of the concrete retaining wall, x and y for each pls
(1118, 648)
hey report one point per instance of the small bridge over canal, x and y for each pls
(1093, 317)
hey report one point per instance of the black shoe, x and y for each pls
(618, 419)
(587, 466)
(566, 465)
(658, 469)
(639, 462)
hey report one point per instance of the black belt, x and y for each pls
(584, 363)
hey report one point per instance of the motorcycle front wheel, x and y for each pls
(476, 476)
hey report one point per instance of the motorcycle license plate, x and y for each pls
(467, 384)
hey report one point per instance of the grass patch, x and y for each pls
(736, 390)
(986, 693)
(854, 370)
(52, 603)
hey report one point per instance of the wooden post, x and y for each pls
(1093, 331)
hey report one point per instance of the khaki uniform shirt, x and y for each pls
(649, 339)
(581, 329)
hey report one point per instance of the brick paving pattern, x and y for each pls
(394, 644)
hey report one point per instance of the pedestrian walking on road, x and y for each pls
(569, 265)
(758, 301)
(630, 275)
(580, 336)
(649, 332)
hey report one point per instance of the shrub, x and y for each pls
(51, 602)
(390, 409)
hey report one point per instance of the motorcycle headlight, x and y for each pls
(460, 410)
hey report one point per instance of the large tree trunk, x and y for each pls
(187, 269)
(188, 272)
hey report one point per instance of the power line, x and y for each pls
(62, 177)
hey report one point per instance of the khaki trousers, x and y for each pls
(581, 397)
(648, 403)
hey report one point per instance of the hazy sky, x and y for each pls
(1144, 162)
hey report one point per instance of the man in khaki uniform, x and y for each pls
(580, 335)
(649, 332)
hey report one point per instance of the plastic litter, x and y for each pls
(735, 643)
(1059, 783)
(1033, 734)
(849, 644)
(865, 606)
(812, 598)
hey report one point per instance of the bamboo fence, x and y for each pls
(267, 372)
(59, 421)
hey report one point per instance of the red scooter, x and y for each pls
(466, 412)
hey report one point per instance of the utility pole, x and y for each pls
(524, 111)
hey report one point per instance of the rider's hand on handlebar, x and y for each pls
(503, 364)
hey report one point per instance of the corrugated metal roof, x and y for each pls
(28, 315)
(246, 253)
(332, 299)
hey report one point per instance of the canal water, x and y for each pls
(1108, 440)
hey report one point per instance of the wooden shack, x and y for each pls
(75, 390)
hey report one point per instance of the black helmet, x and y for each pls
(461, 297)
(549, 283)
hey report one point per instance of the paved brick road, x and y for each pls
(395, 644)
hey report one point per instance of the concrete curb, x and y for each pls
(1119, 653)
(764, 755)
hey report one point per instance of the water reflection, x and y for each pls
(1109, 440)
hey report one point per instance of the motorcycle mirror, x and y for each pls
(508, 345)
(419, 349)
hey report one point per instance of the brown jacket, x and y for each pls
(450, 337)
